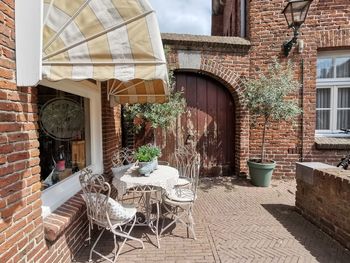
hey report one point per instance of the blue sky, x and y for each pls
(183, 16)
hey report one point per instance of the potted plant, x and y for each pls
(266, 100)
(147, 157)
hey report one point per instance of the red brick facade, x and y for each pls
(327, 27)
(24, 235)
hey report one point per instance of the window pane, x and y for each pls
(344, 98)
(343, 119)
(324, 68)
(63, 134)
(343, 67)
(322, 119)
(323, 98)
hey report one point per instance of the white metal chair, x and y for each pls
(123, 156)
(183, 156)
(178, 204)
(105, 212)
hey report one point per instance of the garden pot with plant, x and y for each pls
(266, 99)
(147, 157)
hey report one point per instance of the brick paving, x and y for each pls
(236, 222)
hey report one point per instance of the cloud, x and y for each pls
(183, 16)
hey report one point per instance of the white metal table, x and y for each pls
(127, 179)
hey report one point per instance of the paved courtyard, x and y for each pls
(236, 222)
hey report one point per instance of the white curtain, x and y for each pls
(323, 104)
(343, 113)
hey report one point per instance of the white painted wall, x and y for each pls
(28, 23)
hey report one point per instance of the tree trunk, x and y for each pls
(263, 141)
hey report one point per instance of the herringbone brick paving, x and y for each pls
(236, 222)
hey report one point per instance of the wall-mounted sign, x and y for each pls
(62, 119)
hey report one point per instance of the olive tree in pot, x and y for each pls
(267, 101)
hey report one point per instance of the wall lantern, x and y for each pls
(295, 13)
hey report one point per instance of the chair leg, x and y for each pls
(157, 225)
(191, 225)
(94, 245)
(126, 236)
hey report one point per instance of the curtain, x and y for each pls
(323, 104)
(343, 112)
(343, 67)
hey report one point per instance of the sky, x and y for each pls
(183, 16)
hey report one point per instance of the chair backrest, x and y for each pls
(123, 156)
(184, 158)
(96, 192)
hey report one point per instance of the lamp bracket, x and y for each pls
(287, 45)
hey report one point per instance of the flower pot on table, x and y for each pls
(146, 168)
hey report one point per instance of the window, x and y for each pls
(333, 93)
(70, 136)
(64, 134)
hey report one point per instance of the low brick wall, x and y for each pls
(323, 197)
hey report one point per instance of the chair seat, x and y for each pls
(129, 212)
(117, 212)
(183, 181)
(181, 195)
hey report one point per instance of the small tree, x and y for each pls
(157, 115)
(266, 97)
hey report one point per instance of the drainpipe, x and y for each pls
(302, 113)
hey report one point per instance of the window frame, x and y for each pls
(334, 84)
(56, 195)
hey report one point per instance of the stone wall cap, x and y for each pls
(315, 165)
(332, 143)
(188, 39)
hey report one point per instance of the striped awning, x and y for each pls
(115, 40)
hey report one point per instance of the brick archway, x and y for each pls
(231, 80)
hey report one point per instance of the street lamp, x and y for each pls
(295, 13)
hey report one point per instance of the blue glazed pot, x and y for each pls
(146, 168)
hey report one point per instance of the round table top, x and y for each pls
(127, 176)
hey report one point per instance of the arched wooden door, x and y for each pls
(209, 121)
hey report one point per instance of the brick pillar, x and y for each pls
(21, 224)
(111, 130)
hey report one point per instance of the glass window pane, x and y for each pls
(323, 119)
(343, 119)
(324, 68)
(343, 67)
(299, 11)
(323, 98)
(343, 97)
(64, 136)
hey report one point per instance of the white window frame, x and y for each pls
(334, 84)
(56, 195)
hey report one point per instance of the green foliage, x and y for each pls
(147, 153)
(267, 96)
(158, 115)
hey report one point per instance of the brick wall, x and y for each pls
(111, 131)
(24, 235)
(21, 225)
(323, 197)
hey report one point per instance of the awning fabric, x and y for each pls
(116, 40)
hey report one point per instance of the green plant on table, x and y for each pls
(147, 153)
